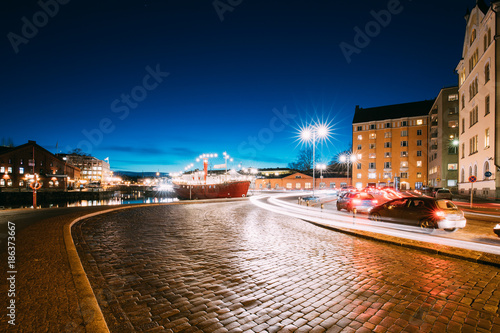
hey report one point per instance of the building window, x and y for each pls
(373, 136)
(372, 126)
(372, 175)
(404, 164)
(21, 161)
(358, 176)
(404, 123)
(419, 142)
(372, 155)
(21, 183)
(472, 36)
(452, 97)
(419, 164)
(297, 185)
(404, 133)
(359, 147)
(360, 137)
(404, 175)
(387, 154)
(404, 143)
(420, 121)
(387, 175)
(452, 150)
(360, 128)
(358, 166)
(462, 176)
(473, 60)
(452, 166)
(473, 117)
(387, 144)
(486, 73)
(9, 169)
(387, 135)
(387, 125)
(463, 125)
(487, 138)
(371, 165)
(463, 101)
(487, 105)
(475, 170)
(387, 165)
(21, 171)
(419, 175)
(419, 132)
(308, 185)
(289, 186)
(473, 145)
(2, 169)
(452, 110)
(419, 153)
(2, 182)
(404, 154)
(452, 123)
(372, 146)
(473, 89)
(463, 150)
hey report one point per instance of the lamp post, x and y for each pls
(309, 134)
(348, 159)
(321, 167)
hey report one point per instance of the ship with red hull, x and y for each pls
(228, 189)
(199, 185)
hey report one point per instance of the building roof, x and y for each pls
(394, 111)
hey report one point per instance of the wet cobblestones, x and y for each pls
(232, 267)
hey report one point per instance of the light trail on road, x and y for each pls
(348, 222)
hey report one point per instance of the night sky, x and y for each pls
(152, 84)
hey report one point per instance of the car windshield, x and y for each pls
(364, 196)
(445, 204)
(443, 191)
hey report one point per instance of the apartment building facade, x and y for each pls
(479, 143)
(390, 145)
(93, 170)
(444, 140)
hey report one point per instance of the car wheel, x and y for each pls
(338, 207)
(375, 216)
(451, 229)
(426, 225)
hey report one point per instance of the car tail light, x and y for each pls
(374, 201)
(356, 201)
(440, 214)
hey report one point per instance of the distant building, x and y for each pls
(390, 145)
(443, 140)
(300, 181)
(22, 165)
(478, 70)
(92, 169)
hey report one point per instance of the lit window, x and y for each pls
(9, 169)
(387, 135)
(419, 164)
(372, 146)
(404, 164)
(419, 175)
(404, 154)
(373, 136)
(308, 185)
(372, 155)
(358, 176)
(452, 97)
(2, 169)
(360, 137)
(387, 154)
(487, 138)
(297, 185)
(452, 166)
(420, 121)
(372, 175)
(21, 171)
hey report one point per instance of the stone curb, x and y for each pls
(449, 251)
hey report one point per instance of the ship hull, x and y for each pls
(235, 189)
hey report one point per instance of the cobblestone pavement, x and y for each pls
(234, 267)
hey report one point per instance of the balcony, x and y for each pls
(434, 135)
(434, 147)
(372, 170)
(434, 111)
(387, 169)
(434, 123)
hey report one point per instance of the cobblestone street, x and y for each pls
(234, 267)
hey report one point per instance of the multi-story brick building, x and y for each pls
(390, 145)
(443, 140)
(22, 165)
(300, 181)
(92, 169)
(478, 73)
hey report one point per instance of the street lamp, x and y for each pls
(348, 159)
(321, 167)
(309, 134)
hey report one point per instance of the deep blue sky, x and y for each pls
(225, 77)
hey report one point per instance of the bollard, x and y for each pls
(307, 203)
(354, 215)
(322, 206)
(299, 200)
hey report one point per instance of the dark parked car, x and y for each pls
(443, 193)
(361, 202)
(428, 213)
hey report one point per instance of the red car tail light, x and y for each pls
(439, 214)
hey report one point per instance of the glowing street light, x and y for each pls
(311, 133)
(348, 159)
(321, 167)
